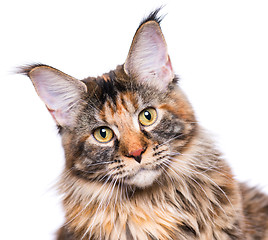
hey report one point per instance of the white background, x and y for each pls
(219, 49)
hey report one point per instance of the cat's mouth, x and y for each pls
(143, 178)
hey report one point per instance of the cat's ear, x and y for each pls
(59, 91)
(148, 60)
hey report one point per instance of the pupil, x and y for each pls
(148, 115)
(103, 133)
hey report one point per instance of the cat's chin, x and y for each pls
(144, 178)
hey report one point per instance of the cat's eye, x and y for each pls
(103, 134)
(148, 116)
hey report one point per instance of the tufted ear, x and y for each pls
(60, 92)
(148, 60)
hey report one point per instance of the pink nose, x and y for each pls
(137, 154)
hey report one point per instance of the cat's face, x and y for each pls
(124, 126)
(129, 136)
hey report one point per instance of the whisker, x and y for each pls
(121, 191)
(207, 166)
(101, 163)
(195, 165)
(176, 174)
(219, 188)
(166, 173)
(91, 200)
(210, 206)
(90, 172)
(118, 234)
(172, 139)
(192, 154)
(214, 184)
(90, 228)
(109, 199)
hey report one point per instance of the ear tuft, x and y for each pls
(27, 68)
(148, 60)
(153, 16)
(60, 92)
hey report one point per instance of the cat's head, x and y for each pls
(126, 125)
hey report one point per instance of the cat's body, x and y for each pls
(138, 165)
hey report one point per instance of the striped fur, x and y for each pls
(181, 187)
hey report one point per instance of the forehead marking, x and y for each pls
(121, 112)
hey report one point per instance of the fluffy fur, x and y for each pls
(164, 180)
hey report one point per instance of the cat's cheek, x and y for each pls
(94, 153)
(167, 131)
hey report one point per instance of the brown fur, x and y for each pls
(180, 188)
(209, 204)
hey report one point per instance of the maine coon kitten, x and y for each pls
(138, 165)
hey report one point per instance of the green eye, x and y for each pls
(148, 116)
(103, 134)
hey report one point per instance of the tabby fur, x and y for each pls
(157, 182)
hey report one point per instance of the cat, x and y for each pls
(138, 164)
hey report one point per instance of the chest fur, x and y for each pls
(145, 218)
(123, 221)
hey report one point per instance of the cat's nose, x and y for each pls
(136, 154)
